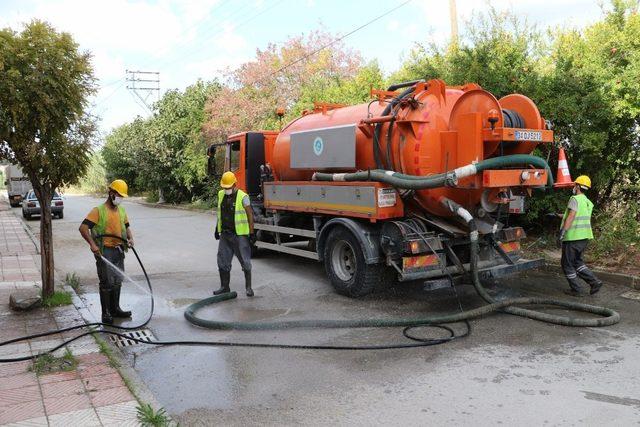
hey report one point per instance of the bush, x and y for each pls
(617, 231)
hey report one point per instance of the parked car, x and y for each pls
(31, 206)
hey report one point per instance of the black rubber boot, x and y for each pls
(247, 283)
(105, 303)
(595, 288)
(225, 278)
(116, 311)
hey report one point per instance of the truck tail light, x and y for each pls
(31, 205)
(59, 203)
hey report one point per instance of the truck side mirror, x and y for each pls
(211, 160)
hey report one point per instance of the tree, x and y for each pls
(277, 78)
(45, 82)
(166, 151)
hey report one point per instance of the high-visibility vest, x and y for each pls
(101, 227)
(581, 225)
(241, 219)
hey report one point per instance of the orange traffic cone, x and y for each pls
(563, 177)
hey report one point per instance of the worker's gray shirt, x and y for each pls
(573, 204)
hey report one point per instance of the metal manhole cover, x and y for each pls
(126, 341)
(631, 295)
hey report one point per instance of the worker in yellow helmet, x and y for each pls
(109, 218)
(575, 233)
(234, 230)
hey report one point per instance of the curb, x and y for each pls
(627, 280)
(138, 388)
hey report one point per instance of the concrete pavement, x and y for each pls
(92, 394)
(510, 370)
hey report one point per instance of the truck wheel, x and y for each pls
(345, 266)
(61, 215)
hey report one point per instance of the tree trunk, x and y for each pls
(44, 193)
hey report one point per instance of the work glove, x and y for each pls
(216, 234)
(561, 237)
(252, 238)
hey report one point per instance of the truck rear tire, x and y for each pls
(346, 268)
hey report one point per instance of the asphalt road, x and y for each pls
(508, 371)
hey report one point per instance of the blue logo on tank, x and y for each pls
(318, 146)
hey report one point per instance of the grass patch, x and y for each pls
(58, 299)
(147, 416)
(48, 363)
(71, 279)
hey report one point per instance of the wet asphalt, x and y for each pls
(508, 371)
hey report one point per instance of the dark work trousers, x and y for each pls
(231, 244)
(573, 265)
(108, 276)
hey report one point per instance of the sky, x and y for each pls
(191, 39)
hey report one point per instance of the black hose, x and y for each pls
(378, 128)
(402, 85)
(92, 326)
(418, 341)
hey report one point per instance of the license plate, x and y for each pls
(528, 135)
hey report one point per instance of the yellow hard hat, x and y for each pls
(228, 179)
(583, 181)
(120, 187)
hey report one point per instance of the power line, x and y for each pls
(106, 98)
(284, 67)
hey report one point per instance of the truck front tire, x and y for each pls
(346, 268)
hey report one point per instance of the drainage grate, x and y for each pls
(631, 295)
(141, 334)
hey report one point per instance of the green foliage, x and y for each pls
(45, 82)
(95, 179)
(147, 416)
(48, 364)
(167, 151)
(617, 232)
(72, 280)
(58, 298)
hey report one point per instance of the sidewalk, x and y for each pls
(92, 394)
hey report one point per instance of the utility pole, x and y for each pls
(453, 17)
(142, 85)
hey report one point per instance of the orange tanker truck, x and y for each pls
(396, 189)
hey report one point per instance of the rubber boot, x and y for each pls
(225, 278)
(116, 311)
(247, 283)
(105, 303)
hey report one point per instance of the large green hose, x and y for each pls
(611, 317)
(415, 182)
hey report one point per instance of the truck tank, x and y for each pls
(429, 129)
